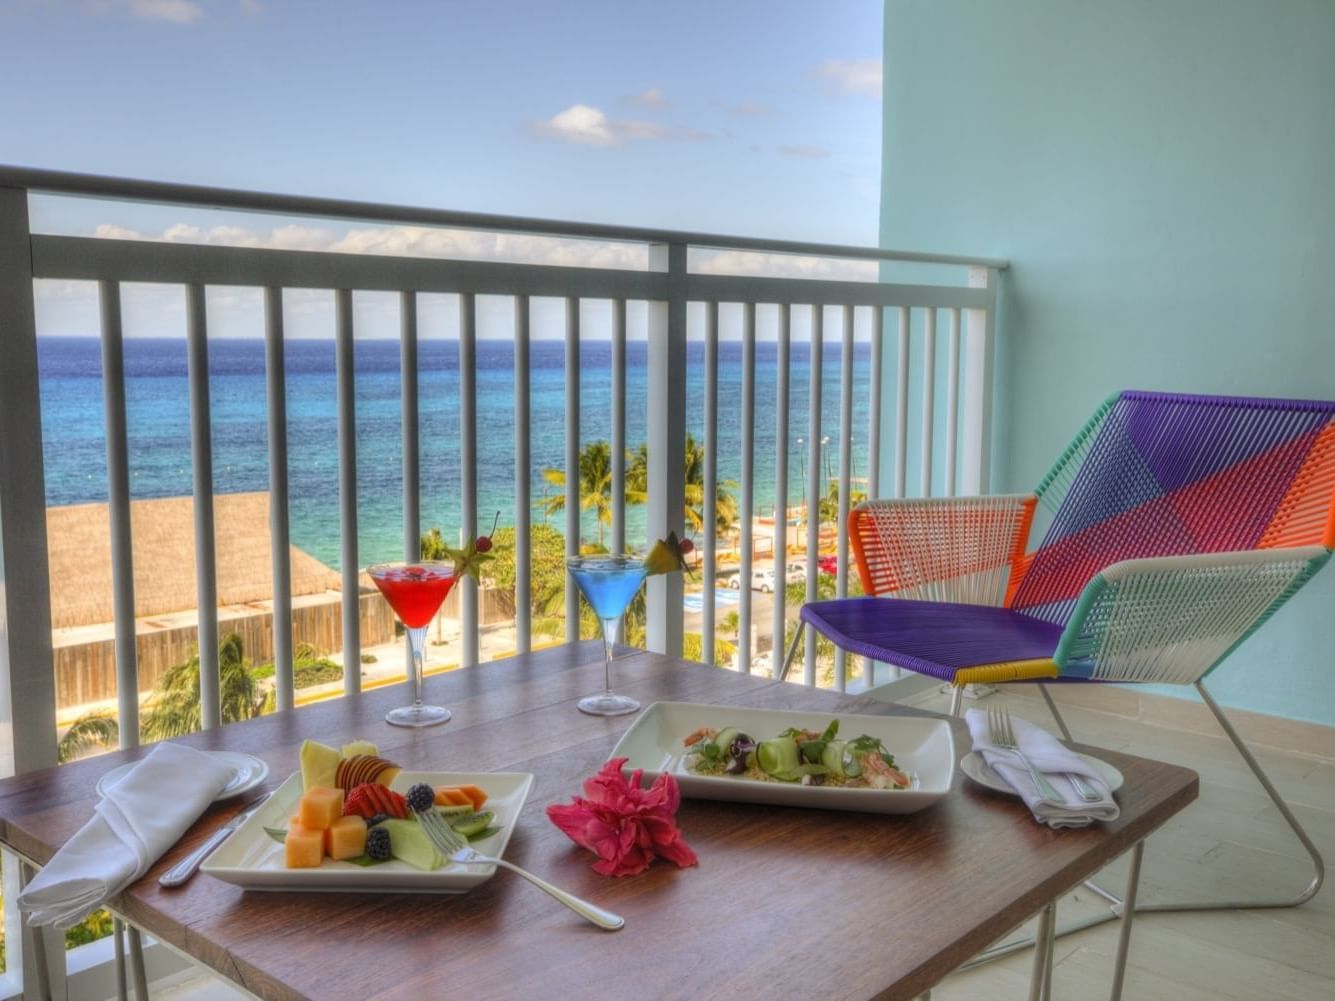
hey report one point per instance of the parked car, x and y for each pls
(795, 573)
(761, 580)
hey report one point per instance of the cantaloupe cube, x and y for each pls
(346, 837)
(303, 848)
(320, 807)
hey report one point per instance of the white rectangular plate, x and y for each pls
(250, 858)
(923, 747)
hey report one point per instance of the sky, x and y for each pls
(750, 118)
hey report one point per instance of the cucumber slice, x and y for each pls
(725, 737)
(833, 756)
(778, 757)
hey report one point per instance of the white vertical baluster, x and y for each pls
(347, 490)
(979, 349)
(777, 643)
(928, 394)
(618, 425)
(748, 489)
(902, 407)
(468, 611)
(118, 514)
(201, 447)
(845, 476)
(667, 440)
(523, 483)
(28, 700)
(952, 398)
(275, 371)
(710, 489)
(572, 463)
(874, 402)
(813, 480)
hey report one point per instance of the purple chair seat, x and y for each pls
(931, 637)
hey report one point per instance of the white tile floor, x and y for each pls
(1230, 842)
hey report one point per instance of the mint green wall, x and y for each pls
(1161, 174)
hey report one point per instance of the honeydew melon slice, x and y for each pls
(318, 764)
(407, 841)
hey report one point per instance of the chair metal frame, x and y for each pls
(1182, 573)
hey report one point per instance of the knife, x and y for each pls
(184, 869)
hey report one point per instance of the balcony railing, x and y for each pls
(949, 424)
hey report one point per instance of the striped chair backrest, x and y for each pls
(1159, 474)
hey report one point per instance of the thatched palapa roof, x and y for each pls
(163, 533)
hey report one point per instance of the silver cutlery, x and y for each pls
(1002, 735)
(184, 869)
(452, 843)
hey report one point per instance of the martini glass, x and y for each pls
(415, 592)
(608, 583)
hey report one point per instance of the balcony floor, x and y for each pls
(1230, 842)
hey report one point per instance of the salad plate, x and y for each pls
(923, 748)
(250, 771)
(252, 858)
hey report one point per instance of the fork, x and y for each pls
(1003, 737)
(452, 843)
(1082, 787)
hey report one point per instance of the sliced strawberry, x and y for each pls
(372, 798)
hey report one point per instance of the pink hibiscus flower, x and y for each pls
(624, 825)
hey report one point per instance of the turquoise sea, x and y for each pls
(159, 425)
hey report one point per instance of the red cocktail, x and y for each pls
(415, 592)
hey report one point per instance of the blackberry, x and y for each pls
(421, 797)
(377, 844)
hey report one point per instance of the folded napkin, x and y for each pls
(142, 816)
(1055, 762)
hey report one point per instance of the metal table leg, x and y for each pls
(1128, 912)
(1040, 978)
(118, 940)
(137, 964)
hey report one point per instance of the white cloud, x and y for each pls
(652, 99)
(175, 11)
(581, 124)
(805, 152)
(851, 76)
(586, 125)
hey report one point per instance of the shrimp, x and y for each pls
(879, 775)
(703, 733)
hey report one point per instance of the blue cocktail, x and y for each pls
(608, 583)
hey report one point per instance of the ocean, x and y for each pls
(159, 426)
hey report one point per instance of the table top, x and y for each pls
(784, 901)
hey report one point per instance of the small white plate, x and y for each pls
(250, 858)
(976, 767)
(250, 772)
(922, 746)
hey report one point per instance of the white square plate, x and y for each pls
(922, 746)
(251, 858)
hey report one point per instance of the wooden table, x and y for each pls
(784, 902)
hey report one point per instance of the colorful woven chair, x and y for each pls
(1175, 527)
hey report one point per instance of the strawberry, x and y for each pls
(372, 798)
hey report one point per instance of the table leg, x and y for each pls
(1051, 950)
(42, 973)
(118, 940)
(1038, 979)
(1128, 912)
(137, 964)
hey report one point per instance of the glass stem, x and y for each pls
(417, 662)
(610, 627)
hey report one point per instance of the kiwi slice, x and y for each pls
(473, 823)
(453, 813)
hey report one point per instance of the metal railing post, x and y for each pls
(667, 440)
(27, 680)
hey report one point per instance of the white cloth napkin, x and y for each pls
(141, 816)
(1055, 762)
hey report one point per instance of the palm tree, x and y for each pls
(94, 731)
(174, 709)
(726, 514)
(595, 485)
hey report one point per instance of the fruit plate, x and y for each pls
(922, 746)
(251, 858)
